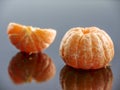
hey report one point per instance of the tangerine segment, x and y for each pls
(87, 48)
(30, 39)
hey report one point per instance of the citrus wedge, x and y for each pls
(30, 39)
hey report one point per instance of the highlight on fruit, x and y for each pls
(30, 39)
(87, 48)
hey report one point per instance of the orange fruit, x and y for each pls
(30, 39)
(23, 68)
(87, 48)
(77, 79)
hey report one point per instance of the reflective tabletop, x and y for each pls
(46, 70)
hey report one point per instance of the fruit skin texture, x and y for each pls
(87, 48)
(30, 39)
(78, 79)
(23, 68)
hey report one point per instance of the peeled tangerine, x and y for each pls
(30, 39)
(87, 48)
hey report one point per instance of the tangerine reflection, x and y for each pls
(72, 79)
(23, 68)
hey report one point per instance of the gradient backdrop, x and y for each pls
(60, 15)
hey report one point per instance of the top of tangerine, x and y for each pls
(86, 30)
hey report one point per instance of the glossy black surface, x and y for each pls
(60, 15)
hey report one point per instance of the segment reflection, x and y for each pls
(24, 68)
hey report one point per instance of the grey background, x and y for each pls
(60, 15)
